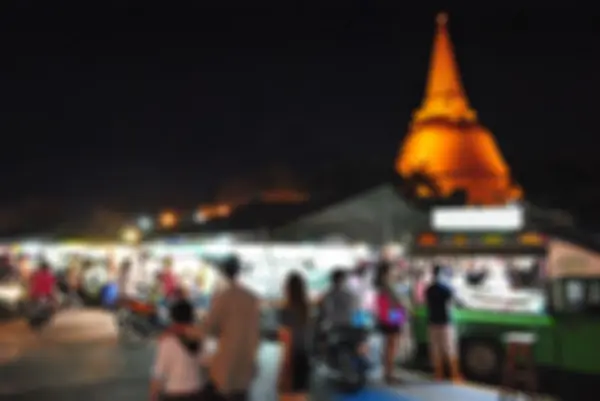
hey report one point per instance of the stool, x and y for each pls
(519, 350)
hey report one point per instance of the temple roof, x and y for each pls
(446, 150)
(444, 95)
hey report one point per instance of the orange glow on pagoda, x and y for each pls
(445, 141)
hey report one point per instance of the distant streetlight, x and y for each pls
(131, 235)
(200, 217)
(145, 223)
(168, 220)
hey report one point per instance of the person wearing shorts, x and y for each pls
(442, 343)
(391, 314)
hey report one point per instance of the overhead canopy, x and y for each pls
(254, 217)
(378, 215)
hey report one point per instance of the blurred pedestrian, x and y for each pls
(233, 318)
(442, 342)
(294, 334)
(391, 316)
(176, 374)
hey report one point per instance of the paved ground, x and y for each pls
(109, 373)
(102, 372)
(112, 372)
(99, 372)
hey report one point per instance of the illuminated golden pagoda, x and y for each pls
(445, 141)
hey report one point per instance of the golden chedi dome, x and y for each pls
(445, 141)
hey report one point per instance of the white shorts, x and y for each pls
(442, 341)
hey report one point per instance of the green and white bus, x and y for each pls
(525, 282)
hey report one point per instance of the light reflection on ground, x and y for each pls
(66, 327)
(101, 371)
(63, 366)
(81, 325)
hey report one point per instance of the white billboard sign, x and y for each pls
(477, 219)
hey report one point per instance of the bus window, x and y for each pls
(593, 298)
(525, 272)
(574, 294)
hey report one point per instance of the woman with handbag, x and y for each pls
(391, 314)
(294, 336)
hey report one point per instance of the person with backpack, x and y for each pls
(176, 374)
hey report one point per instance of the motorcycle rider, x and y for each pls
(339, 307)
(339, 303)
(42, 294)
(42, 284)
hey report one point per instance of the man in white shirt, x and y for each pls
(234, 319)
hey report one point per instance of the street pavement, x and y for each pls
(32, 369)
(102, 372)
(111, 372)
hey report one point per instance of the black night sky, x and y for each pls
(134, 107)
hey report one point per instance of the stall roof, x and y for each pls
(577, 237)
(252, 217)
(369, 215)
(377, 215)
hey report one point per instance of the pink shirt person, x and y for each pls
(168, 283)
(42, 284)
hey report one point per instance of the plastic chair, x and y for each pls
(519, 366)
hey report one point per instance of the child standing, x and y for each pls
(176, 373)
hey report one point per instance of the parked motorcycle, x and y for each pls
(340, 350)
(346, 364)
(140, 319)
(12, 298)
(40, 312)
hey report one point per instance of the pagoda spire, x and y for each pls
(445, 97)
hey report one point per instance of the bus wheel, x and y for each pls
(481, 360)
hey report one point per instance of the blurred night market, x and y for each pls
(161, 146)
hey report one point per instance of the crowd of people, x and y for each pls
(374, 298)
(369, 298)
(72, 283)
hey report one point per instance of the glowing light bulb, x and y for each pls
(131, 235)
(168, 219)
(145, 223)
